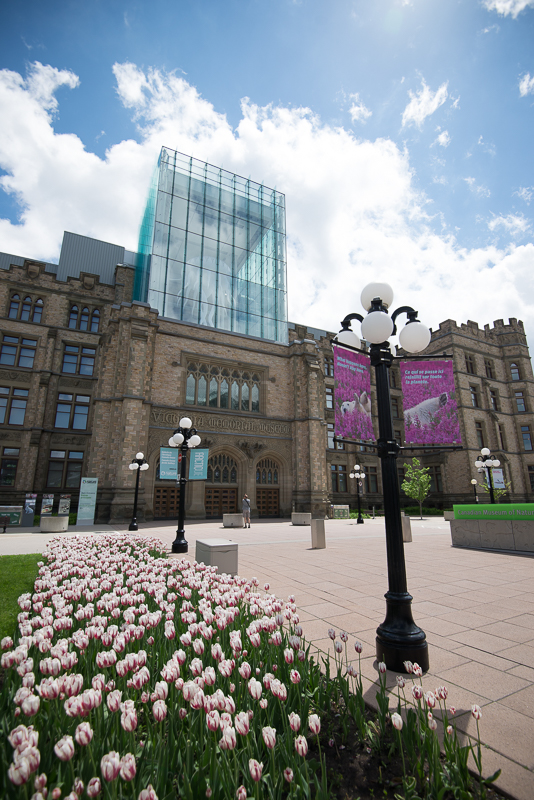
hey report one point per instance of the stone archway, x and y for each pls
(221, 487)
(268, 474)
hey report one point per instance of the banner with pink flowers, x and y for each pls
(430, 406)
(352, 395)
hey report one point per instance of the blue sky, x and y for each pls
(399, 130)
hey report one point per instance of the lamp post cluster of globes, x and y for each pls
(360, 476)
(398, 638)
(485, 463)
(185, 437)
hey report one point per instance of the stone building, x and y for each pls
(89, 377)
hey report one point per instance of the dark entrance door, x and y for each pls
(166, 502)
(219, 501)
(267, 502)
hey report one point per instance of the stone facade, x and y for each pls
(131, 390)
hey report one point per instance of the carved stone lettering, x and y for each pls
(23, 377)
(231, 424)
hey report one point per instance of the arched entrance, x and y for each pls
(221, 486)
(267, 488)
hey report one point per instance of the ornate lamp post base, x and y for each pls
(180, 545)
(399, 639)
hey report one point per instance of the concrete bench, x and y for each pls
(220, 553)
(298, 518)
(317, 534)
(54, 524)
(493, 534)
(232, 520)
(406, 528)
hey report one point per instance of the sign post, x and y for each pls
(87, 501)
(64, 505)
(168, 463)
(29, 510)
(47, 504)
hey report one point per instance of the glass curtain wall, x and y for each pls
(212, 249)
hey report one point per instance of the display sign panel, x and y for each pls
(29, 509)
(64, 505)
(429, 400)
(520, 512)
(198, 465)
(47, 504)
(352, 395)
(87, 501)
(168, 463)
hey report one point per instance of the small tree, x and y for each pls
(416, 483)
(497, 493)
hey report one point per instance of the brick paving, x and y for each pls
(477, 609)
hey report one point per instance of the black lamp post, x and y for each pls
(184, 437)
(474, 484)
(359, 477)
(139, 465)
(398, 638)
(486, 463)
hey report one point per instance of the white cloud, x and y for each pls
(514, 224)
(506, 7)
(525, 193)
(443, 139)
(353, 212)
(423, 104)
(358, 111)
(478, 189)
(526, 85)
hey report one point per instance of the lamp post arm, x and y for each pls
(412, 315)
(345, 323)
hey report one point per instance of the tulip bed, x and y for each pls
(139, 676)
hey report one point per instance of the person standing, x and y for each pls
(246, 511)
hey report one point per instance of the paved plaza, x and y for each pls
(477, 609)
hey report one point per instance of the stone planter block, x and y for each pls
(220, 553)
(298, 518)
(232, 520)
(406, 529)
(317, 534)
(54, 524)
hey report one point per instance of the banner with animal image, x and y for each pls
(352, 395)
(429, 399)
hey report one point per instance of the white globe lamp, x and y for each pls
(377, 327)
(414, 337)
(372, 290)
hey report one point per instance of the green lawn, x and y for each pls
(17, 575)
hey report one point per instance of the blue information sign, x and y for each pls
(198, 465)
(168, 463)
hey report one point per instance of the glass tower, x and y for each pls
(212, 249)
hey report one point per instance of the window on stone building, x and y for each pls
(489, 367)
(329, 397)
(64, 469)
(397, 435)
(13, 404)
(401, 472)
(17, 351)
(83, 319)
(25, 308)
(494, 400)
(393, 379)
(436, 484)
(72, 411)
(515, 372)
(520, 402)
(78, 360)
(329, 366)
(213, 386)
(502, 437)
(8, 465)
(339, 477)
(333, 445)
(475, 396)
(470, 364)
(527, 439)
(371, 480)
(222, 468)
(267, 472)
(395, 408)
(531, 476)
(479, 430)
